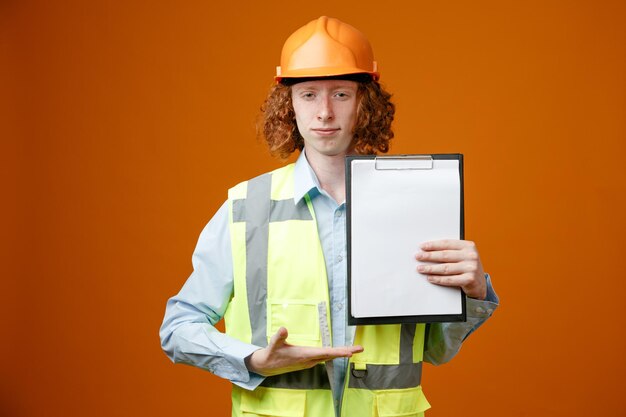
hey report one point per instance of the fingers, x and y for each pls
(347, 351)
(278, 341)
(443, 256)
(444, 244)
(447, 269)
(282, 333)
(280, 357)
(472, 286)
(325, 354)
(453, 263)
(278, 338)
(356, 349)
(461, 280)
(449, 257)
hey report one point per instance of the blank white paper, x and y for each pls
(392, 212)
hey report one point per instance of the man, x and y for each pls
(272, 259)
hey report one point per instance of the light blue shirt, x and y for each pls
(188, 334)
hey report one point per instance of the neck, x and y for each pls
(331, 173)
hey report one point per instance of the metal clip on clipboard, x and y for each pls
(402, 162)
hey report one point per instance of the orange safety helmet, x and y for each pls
(326, 47)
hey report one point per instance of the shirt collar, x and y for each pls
(304, 179)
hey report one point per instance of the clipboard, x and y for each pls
(393, 204)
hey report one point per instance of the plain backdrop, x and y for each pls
(123, 123)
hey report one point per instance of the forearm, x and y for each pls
(197, 342)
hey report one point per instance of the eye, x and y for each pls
(307, 95)
(342, 95)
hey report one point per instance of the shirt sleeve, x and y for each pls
(188, 334)
(444, 340)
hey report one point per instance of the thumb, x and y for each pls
(279, 338)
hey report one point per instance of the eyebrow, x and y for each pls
(299, 87)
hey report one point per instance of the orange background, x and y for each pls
(123, 124)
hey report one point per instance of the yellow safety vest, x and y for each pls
(280, 280)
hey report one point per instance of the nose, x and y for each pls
(325, 110)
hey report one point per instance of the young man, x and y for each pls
(272, 259)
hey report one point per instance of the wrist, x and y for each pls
(251, 362)
(248, 362)
(478, 291)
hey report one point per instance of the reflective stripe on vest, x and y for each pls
(404, 375)
(257, 210)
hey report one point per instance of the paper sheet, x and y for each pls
(392, 212)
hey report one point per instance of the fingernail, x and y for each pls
(421, 268)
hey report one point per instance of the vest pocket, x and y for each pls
(273, 402)
(402, 402)
(300, 317)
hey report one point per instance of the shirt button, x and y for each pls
(480, 310)
(338, 306)
(489, 310)
(339, 258)
(338, 214)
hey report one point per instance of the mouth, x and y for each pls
(326, 131)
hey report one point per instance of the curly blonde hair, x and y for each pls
(372, 129)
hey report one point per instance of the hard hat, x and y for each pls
(326, 47)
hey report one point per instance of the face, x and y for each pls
(325, 115)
